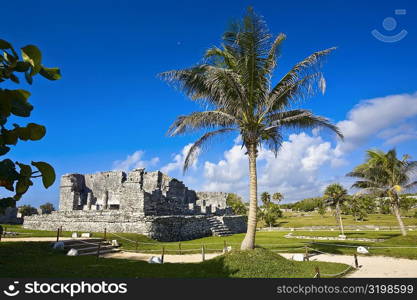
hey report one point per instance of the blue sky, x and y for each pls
(110, 104)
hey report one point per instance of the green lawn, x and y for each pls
(294, 220)
(273, 240)
(37, 259)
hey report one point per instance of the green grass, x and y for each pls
(295, 220)
(37, 259)
(273, 240)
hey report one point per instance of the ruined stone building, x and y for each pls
(149, 203)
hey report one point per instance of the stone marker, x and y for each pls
(72, 252)
(58, 245)
(115, 243)
(74, 235)
(86, 234)
(362, 250)
(155, 260)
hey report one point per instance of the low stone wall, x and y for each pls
(162, 228)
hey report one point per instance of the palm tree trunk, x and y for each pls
(339, 218)
(249, 240)
(397, 214)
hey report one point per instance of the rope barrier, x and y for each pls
(337, 274)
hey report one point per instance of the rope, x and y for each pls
(337, 274)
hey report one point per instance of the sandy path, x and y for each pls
(372, 266)
(186, 258)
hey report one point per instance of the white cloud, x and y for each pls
(134, 161)
(178, 161)
(374, 118)
(299, 171)
(293, 172)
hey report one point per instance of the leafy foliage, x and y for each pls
(47, 208)
(236, 203)
(27, 210)
(269, 212)
(15, 176)
(385, 175)
(334, 194)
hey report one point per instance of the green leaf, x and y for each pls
(20, 106)
(36, 131)
(32, 55)
(8, 174)
(4, 44)
(4, 149)
(25, 170)
(22, 66)
(48, 173)
(50, 73)
(9, 136)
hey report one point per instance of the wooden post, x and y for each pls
(57, 234)
(224, 246)
(98, 250)
(163, 254)
(356, 260)
(306, 258)
(203, 254)
(317, 272)
(105, 233)
(136, 245)
(179, 247)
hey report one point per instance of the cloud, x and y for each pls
(178, 161)
(293, 172)
(378, 117)
(134, 161)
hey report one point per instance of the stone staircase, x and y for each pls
(90, 246)
(218, 228)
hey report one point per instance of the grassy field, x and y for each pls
(273, 240)
(304, 219)
(37, 259)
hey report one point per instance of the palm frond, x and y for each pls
(202, 120)
(197, 147)
(303, 69)
(302, 119)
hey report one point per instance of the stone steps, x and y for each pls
(218, 228)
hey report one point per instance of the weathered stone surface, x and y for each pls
(149, 203)
(10, 216)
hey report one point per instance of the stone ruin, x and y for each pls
(149, 203)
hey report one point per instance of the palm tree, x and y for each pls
(233, 84)
(385, 175)
(277, 197)
(335, 194)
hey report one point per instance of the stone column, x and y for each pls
(106, 200)
(89, 199)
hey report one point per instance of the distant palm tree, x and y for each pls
(234, 86)
(277, 197)
(334, 195)
(385, 175)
